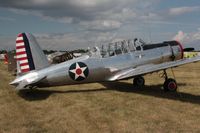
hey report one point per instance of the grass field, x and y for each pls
(100, 108)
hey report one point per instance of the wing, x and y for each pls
(145, 69)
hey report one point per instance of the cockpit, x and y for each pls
(127, 46)
(118, 48)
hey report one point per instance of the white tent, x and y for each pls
(2, 56)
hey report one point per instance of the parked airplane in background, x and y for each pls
(115, 61)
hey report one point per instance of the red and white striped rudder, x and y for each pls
(21, 54)
(29, 55)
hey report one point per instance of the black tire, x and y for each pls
(139, 81)
(170, 85)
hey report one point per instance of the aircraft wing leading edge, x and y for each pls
(142, 70)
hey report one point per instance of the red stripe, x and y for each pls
(25, 70)
(24, 64)
(19, 41)
(20, 53)
(19, 47)
(20, 59)
(20, 35)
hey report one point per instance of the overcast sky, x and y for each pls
(73, 24)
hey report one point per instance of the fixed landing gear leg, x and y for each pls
(169, 84)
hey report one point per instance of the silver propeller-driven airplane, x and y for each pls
(115, 61)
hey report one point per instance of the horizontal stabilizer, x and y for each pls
(24, 84)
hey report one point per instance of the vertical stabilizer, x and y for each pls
(29, 55)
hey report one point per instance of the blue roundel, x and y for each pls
(78, 71)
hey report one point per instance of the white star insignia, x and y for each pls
(79, 71)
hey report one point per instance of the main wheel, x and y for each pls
(170, 85)
(139, 81)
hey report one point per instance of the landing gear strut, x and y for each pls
(169, 84)
(139, 81)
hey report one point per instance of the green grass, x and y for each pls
(108, 107)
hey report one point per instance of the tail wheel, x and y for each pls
(170, 85)
(139, 81)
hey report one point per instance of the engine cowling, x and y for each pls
(177, 51)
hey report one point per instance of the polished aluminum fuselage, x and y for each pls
(101, 69)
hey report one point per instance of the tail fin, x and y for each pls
(29, 55)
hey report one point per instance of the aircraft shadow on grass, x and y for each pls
(153, 90)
